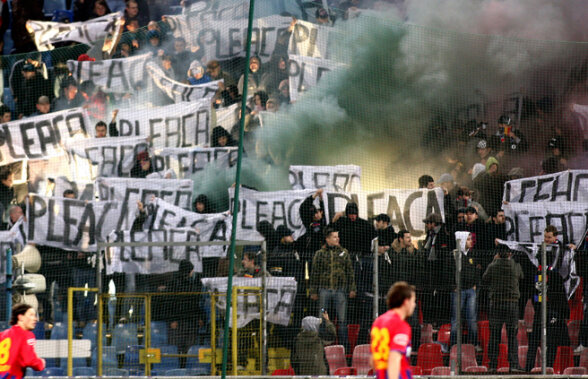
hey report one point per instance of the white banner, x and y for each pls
(581, 113)
(279, 208)
(130, 190)
(179, 91)
(305, 72)
(210, 227)
(563, 261)
(281, 293)
(71, 224)
(152, 259)
(228, 117)
(525, 222)
(46, 33)
(114, 75)
(226, 39)
(310, 40)
(569, 185)
(189, 160)
(407, 208)
(41, 137)
(114, 156)
(340, 178)
(176, 125)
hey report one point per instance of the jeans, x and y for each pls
(337, 300)
(503, 312)
(468, 304)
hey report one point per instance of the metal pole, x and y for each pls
(99, 269)
(543, 300)
(376, 283)
(263, 308)
(237, 188)
(70, 331)
(457, 304)
(8, 284)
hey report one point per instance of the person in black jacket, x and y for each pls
(558, 310)
(185, 315)
(314, 221)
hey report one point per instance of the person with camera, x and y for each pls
(308, 355)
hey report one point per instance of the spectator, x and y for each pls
(503, 276)
(22, 11)
(313, 219)
(5, 114)
(323, 17)
(143, 166)
(447, 183)
(558, 311)
(469, 281)
(28, 90)
(284, 93)
(214, 70)
(272, 105)
(438, 280)
(43, 106)
(507, 140)
(332, 280)
(489, 186)
(385, 232)
(308, 355)
(464, 200)
(89, 9)
(259, 102)
(484, 151)
(6, 189)
(201, 204)
(154, 43)
(196, 74)
(167, 64)
(70, 97)
(137, 10)
(277, 71)
(426, 181)
(250, 267)
(222, 138)
(95, 100)
(183, 57)
(257, 80)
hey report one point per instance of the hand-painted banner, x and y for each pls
(569, 185)
(189, 160)
(525, 222)
(114, 156)
(41, 137)
(210, 226)
(176, 125)
(225, 39)
(114, 75)
(281, 293)
(46, 33)
(130, 190)
(309, 40)
(305, 72)
(228, 117)
(562, 260)
(407, 208)
(71, 224)
(179, 91)
(278, 208)
(340, 178)
(153, 259)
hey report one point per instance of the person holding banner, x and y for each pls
(17, 344)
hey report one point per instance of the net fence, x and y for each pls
(375, 151)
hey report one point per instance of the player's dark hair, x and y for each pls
(17, 310)
(398, 293)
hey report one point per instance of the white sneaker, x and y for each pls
(579, 349)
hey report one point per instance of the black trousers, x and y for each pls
(503, 313)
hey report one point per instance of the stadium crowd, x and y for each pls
(333, 260)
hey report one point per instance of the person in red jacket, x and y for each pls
(17, 344)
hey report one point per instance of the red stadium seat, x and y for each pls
(503, 355)
(429, 356)
(564, 358)
(468, 355)
(345, 371)
(503, 370)
(416, 370)
(476, 369)
(335, 357)
(523, 356)
(441, 371)
(352, 334)
(584, 359)
(427, 334)
(537, 370)
(284, 372)
(574, 332)
(361, 359)
(522, 338)
(529, 315)
(575, 371)
(444, 334)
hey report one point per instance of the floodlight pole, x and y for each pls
(236, 194)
